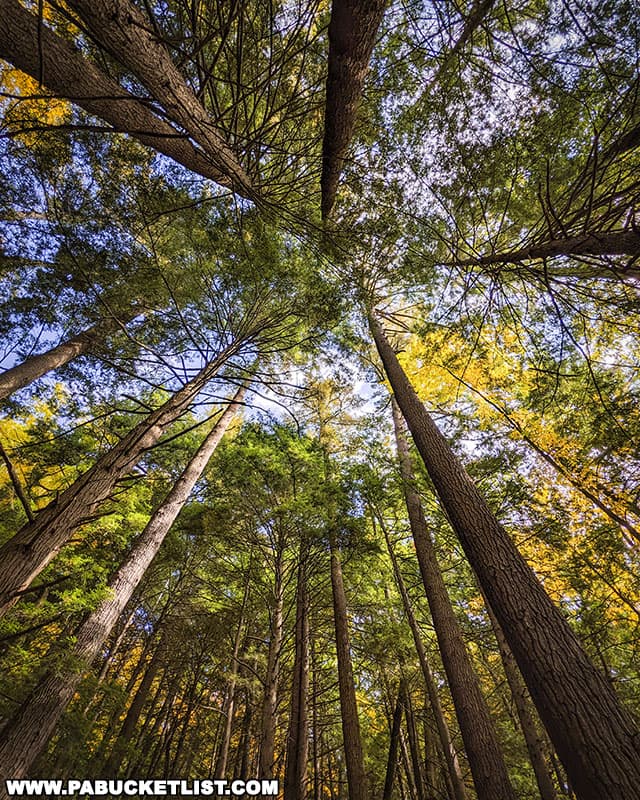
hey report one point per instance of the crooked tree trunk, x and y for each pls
(356, 777)
(36, 366)
(592, 733)
(25, 555)
(24, 736)
(270, 700)
(295, 779)
(41, 53)
(483, 749)
(444, 734)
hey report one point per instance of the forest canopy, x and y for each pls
(319, 398)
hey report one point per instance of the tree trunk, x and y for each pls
(392, 759)
(24, 736)
(356, 777)
(36, 366)
(414, 749)
(451, 757)
(532, 737)
(483, 749)
(592, 733)
(122, 29)
(270, 701)
(25, 555)
(295, 780)
(352, 34)
(42, 54)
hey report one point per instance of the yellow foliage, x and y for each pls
(30, 107)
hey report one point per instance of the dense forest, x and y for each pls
(320, 401)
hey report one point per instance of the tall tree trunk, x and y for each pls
(229, 702)
(414, 749)
(36, 366)
(26, 734)
(483, 749)
(356, 777)
(25, 555)
(35, 49)
(594, 736)
(449, 751)
(295, 780)
(126, 32)
(533, 738)
(270, 701)
(392, 758)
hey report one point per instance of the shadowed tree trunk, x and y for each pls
(295, 781)
(483, 749)
(594, 736)
(394, 738)
(270, 701)
(449, 751)
(352, 34)
(356, 777)
(27, 553)
(24, 736)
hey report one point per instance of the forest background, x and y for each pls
(229, 233)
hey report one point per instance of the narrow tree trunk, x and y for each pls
(270, 702)
(25, 555)
(392, 759)
(229, 703)
(592, 733)
(26, 734)
(478, 731)
(533, 739)
(414, 749)
(356, 777)
(449, 751)
(36, 366)
(295, 780)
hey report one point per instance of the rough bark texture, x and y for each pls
(444, 734)
(36, 366)
(25, 555)
(122, 29)
(25, 735)
(595, 737)
(352, 34)
(353, 757)
(295, 780)
(68, 74)
(481, 743)
(533, 738)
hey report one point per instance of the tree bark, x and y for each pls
(592, 733)
(295, 779)
(24, 736)
(270, 701)
(451, 757)
(25, 555)
(122, 29)
(352, 34)
(394, 738)
(36, 366)
(356, 777)
(483, 749)
(532, 737)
